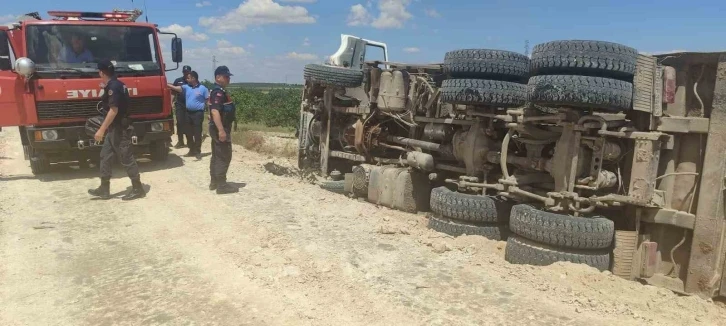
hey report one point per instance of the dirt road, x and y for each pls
(281, 252)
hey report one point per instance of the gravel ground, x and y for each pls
(281, 252)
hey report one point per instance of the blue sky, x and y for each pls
(271, 40)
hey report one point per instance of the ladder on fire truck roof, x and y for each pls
(115, 15)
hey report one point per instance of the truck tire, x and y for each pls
(469, 208)
(487, 64)
(561, 230)
(334, 76)
(159, 151)
(483, 92)
(592, 58)
(39, 164)
(522, 251)
(490, 231)
(334, 186)
(581, 92)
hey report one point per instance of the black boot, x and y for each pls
(213, 184)
(137, 190)
(179, 144)
(226, 188)
(103, 191)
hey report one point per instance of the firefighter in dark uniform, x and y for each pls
(180, 109)
(116, 132)
(221, 117)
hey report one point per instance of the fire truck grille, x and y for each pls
(87, 108)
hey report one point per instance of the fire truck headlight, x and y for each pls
(50, 135)
(25, 67)
(157, 126)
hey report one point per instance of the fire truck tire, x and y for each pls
(490, 231)
(527, 252)
(483, 92)
(561, 230)
(469, 208)
(487, 64)
(581, 92)
(592, 58)
(334, 186)
(159, 151)
(334, 76)
(39, 164)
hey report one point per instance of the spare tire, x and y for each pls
(334, 186)
(487, 64)
(333, 76)
(581, 91)
(592, 58)
(483, 92)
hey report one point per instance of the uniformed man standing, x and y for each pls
(116, 132)
(221, 117)
(180, 109)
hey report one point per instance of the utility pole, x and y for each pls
(214, 63)
(526, 47)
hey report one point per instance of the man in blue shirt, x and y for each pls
(195, 98)
(77, 52)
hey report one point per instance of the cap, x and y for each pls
(222, 70)
(105, 65)
(186, 69)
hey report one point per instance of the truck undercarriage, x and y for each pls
(586, 152)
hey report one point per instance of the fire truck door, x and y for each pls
(11, 110)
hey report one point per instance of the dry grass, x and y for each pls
(275, 141)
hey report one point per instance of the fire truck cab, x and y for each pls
(49, 84)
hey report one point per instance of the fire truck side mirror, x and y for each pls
(176, 50)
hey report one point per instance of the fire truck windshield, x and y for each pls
(74, 50)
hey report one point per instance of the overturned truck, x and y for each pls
(587, 151)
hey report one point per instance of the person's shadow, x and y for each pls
(119, 194)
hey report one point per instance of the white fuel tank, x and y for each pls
(392, 93)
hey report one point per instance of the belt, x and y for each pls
(195, 111)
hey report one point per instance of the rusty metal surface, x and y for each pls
(644, 169)
(565, 161)
(624, 249)
(706, 250)
(683, 125)
(668, 217)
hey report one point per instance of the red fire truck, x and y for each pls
(49, 84)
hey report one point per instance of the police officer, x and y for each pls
(221, 117)
(116, 132)
(180, 109)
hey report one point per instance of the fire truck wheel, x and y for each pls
(591, 58)
(581, 92)
(159, 151)
(483, 92)
(455, 229)
(334, 76)
(470, 208)
(39, 164)
(487, 64)
(561, 230)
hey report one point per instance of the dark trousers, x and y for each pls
(221, 157)
(194, 130)
(181, 122)
(118, 144)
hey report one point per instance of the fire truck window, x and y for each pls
(6, 54)
(54, 47)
